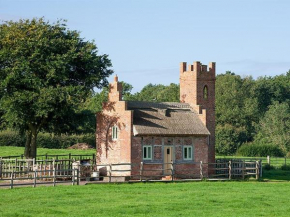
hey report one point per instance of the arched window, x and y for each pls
(205, 92)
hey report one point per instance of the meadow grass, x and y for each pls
(14, 151)
(150, 199)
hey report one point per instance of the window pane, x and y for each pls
(189, 152)
(116, 132)
(149, 152)
(144, 152)
(185, 152)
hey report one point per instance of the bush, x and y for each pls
(11, 138)
(46, 140)
(228, 139)
(268, 167)
(258, 150)
(285, 167)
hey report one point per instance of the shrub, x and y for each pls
(46, 140)
(260, 150)
(11, 138)
(285, 167)
(268, 167)
(228, 139)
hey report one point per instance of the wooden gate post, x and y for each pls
(268, 160)
(243, 168)
(54, 177)
(110, 173)
(200, 168)
(78, 176)
(34, 181)
(0, 167)
(73, 176)
(230, 170)
(172, 171)
(257, 170)
(141, 171)
(11, 180)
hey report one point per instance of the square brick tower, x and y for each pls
(197, 87)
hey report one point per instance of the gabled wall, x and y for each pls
(114, 113)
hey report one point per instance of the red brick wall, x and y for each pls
(114, 113)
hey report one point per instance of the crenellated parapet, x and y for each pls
(198, 70)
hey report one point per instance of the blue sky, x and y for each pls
(146, 40)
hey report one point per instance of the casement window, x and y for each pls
(114, 132)
(147, 152)
(187, 152)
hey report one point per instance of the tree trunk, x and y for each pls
(27, 144)
(30, 145)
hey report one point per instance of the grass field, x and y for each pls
(13, 151)
(150, 199)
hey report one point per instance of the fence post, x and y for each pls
(243, 168)
(141, 171)
(73, 176)
(78, 176)
(201, 173)
(268, 160)
(34, 181)
(172, 171)
(257, 170)
(69, 156)
(110, 173)
(54, 176)
(11, 181)
(230, 170)
(261, 168)
(1, 167)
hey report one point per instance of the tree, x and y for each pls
(157, 93)
(46, 72)
(274, 127)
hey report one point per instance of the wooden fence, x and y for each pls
(53, 170)
(32, 178)
(23, 167)
(219, 171)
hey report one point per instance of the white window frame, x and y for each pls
(115, 132)
(148, 152)
(188, 150)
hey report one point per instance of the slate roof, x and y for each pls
(170, 119)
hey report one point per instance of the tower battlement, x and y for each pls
(198, 68)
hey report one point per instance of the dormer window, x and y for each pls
(205, 92)
(114, 132)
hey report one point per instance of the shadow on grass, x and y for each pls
(276, 175)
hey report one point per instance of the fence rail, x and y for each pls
(52, 177)
(55, 156)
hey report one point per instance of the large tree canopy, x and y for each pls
(46, 72)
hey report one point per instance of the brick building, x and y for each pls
(161, 133)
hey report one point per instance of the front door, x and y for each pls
(168, 157)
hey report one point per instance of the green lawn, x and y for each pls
(150, 199)
(13, 151)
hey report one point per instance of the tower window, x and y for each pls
(205, 92)
(114, 132)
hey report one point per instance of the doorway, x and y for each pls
(168, 158)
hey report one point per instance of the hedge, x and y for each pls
(260, 150)
(46, 140)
